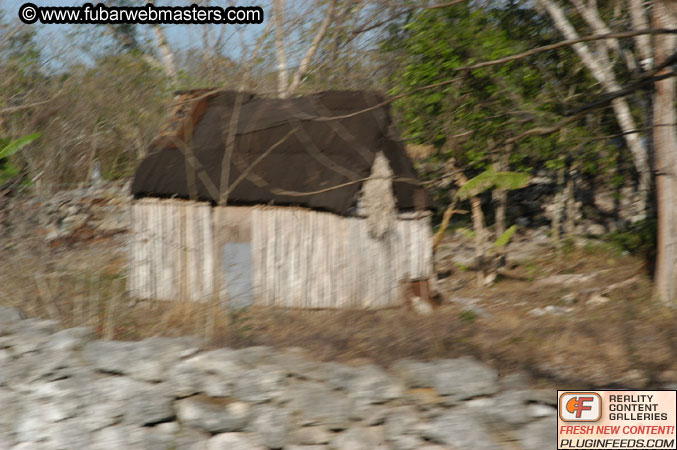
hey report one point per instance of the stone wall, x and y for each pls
(602, 209)
(66, 217)
(62, 389)
(104, 210)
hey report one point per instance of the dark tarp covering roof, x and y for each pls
(318, 155)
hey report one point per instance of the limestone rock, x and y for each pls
(212, 416)
(317, 405)
(415, 374)
(540, 435)
(311, 435)
(272, 426)
(459, 429)
(233, 441)
(464, 378)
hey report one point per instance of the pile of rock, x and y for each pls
(63, 389)
(79, 214)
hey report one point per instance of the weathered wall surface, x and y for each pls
(322, 260)
(61, 389)
(297, 257)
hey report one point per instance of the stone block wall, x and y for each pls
(63, 389)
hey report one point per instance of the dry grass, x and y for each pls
(99, 300)
(418, 152)
(628, 341)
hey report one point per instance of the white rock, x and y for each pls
(537, 411)
(596, 300)
(464, 378)
(234, 441)
(213, 418)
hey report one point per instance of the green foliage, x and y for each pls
(637, 238)
(16, 145)
(9, 148)
(468, 316)
(468, 233)
(469, 119)
(490, 179)
(567, 246)
(462, 267)
(504, 238)
(430, 48)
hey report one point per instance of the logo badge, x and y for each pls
(580, 407)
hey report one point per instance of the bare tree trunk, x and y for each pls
(555, 210)
(208, 58)
(166, 51)
(643, 41)
(590, 14)
(282, 83)
(220, 288)
(481, 235)
(303, 67)
(605, 76)
(500, 196)
(446, 217)
(572, 208)
(501, 199)
(665, 144)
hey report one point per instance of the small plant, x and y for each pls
(505, 238)
(638, 238)
(489, 257)
(9, 148)
(491, 179)
(468, 316)
(567, 246)
(466, 232)
(534, 271)
(462, 267)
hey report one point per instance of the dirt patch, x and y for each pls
(580, 316)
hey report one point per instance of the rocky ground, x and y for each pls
(62, 389)
(582, 314)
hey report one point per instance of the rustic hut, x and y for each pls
(306, 202)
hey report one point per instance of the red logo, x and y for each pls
(578, 404)
(580, 407)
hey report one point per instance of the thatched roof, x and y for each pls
(316, 155)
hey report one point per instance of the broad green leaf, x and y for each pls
(511, 180)
(477, 185)
(504, 238)
(490, 179)
(17, 145)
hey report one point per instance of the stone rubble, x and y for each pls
(63, 389)
(93, 212)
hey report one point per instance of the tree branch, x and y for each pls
(278, 8)
(229, 141)
(30, 105)
(166, 51)
(365, 28)
(303, 67)
(607, 98)
(643, 43)
(251, 58)
(499, 61)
